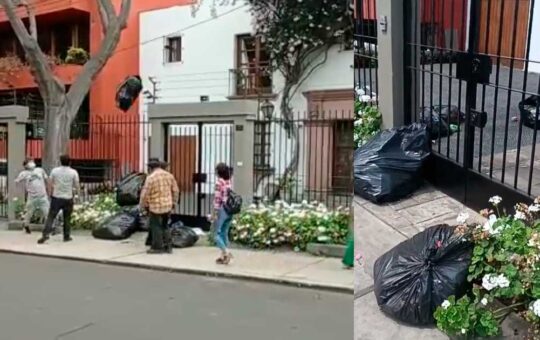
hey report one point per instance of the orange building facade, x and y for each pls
(110, 137)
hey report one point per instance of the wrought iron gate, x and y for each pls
(193, 151)
(468, 78)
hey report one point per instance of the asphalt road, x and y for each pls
(42, 299)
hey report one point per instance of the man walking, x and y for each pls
(35, 187)
(63, 184)
(158, 197)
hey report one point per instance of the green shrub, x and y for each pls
(77, 56)
(295, 225)
(89, 214)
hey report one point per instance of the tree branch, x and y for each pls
(80, 88)
(31, 17)
(310, 72)
(35, 57)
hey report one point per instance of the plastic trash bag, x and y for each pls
(436, 126)
(128, 190)
(528, 109)
(142, 219)
(417, 275)
(182, 236)
(128, 92)
(450, 114)
(118, 227)
(388, 167)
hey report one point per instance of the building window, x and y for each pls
(253, 75)
(173, 50)
(262, 144)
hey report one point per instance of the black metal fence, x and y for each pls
(102, 151)
(481, 102)
(366, 52)
(321, 152)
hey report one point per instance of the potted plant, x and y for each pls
(76, 56)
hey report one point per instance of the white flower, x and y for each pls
(491, 281)
(488, 226)
(462, 218)
(445, 304)
(534, 208)
(535, 307)
(463, 331)
(321, 229)
(484, 301)
(520, 216)
(495, 200)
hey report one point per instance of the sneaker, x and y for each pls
(68, 239)
(43, 239)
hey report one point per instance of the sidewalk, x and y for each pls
(377, 230)
(297, 269)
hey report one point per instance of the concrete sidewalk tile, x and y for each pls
(286, 267)
(371, 324)
(372, 237)
(426, 211)
(244, 262)
(362, 280)
(320, 271)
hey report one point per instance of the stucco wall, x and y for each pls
(208, 55)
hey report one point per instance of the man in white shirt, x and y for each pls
(64, 185)
(35, 186)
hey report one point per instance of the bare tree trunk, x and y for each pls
(56, 140)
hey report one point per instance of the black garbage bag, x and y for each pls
(118, 227)
(388, 167)
(128, 92)
(528, 109)
(141, 218)
(182, 236)
(417, 275)
(436, 126)
(128, 190)
(450, 114)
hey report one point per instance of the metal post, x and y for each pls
(390, 40)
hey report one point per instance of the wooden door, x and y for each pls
(183, 160)
(497, 30)
(343, 156)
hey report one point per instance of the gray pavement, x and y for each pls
(43, 298)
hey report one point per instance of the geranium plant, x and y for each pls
(367, 123)
(89, 214)
(294, 225)
(506, 260)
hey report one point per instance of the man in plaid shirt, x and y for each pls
(159, 196)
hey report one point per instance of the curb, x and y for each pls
(281, 281)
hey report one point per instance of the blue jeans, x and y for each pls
(223, 224)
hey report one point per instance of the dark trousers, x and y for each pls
(160, 233)
(57, 205)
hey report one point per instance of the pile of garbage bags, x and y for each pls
(130, 220)
(528, 109)
(417, 275)
(389, 166)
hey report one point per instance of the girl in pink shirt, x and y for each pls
(221, 217)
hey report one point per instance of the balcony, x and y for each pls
(251, 82)
(23, 79)
(46, 7)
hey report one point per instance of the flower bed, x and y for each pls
(89, 214)
(505, 266)
(280, 224)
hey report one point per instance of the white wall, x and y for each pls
(534, 56)
(209, 53)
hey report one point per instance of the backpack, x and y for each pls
(233, 205)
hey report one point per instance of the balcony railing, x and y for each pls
(250, 81)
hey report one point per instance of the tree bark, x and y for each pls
(56, 141)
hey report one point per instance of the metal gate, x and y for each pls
(193, 151)
(468, 77)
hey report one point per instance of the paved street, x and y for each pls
(46, 299)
